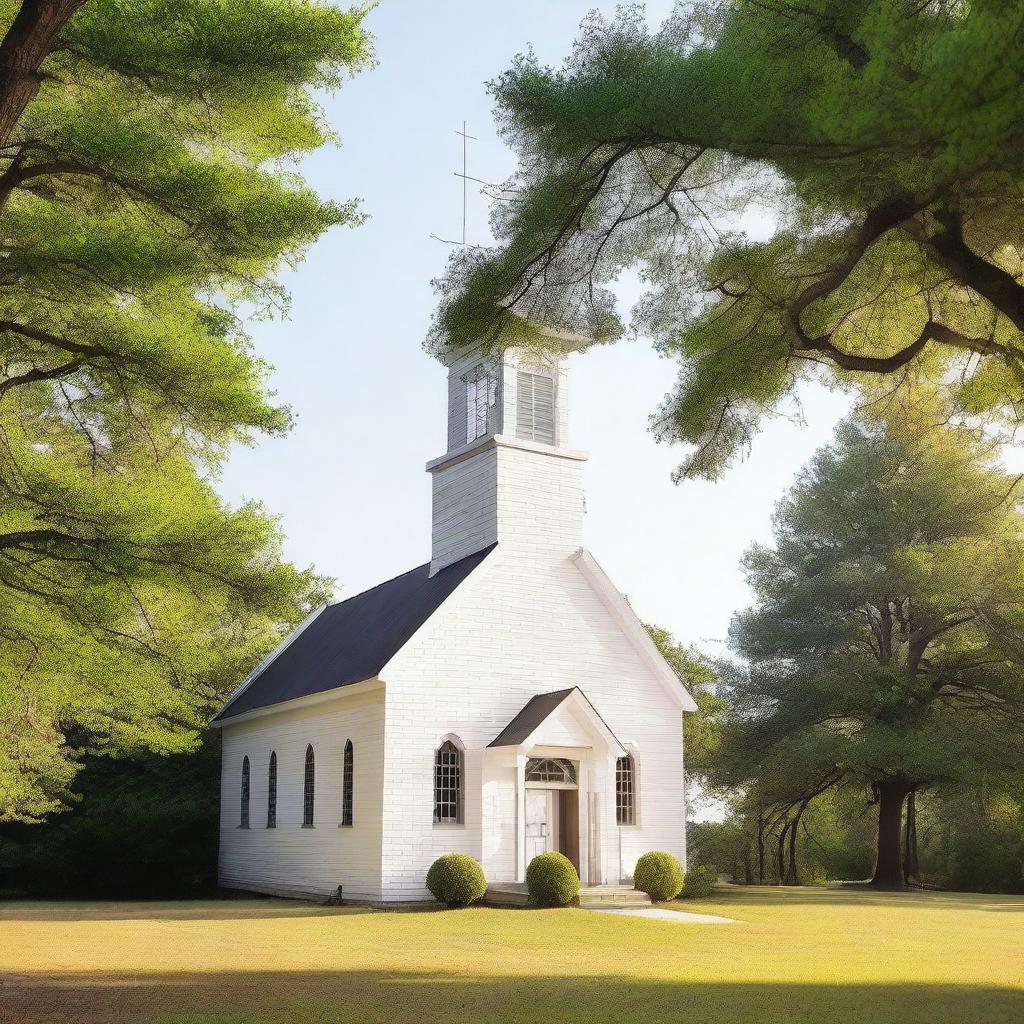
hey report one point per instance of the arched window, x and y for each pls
(448, 784)
(551, 770)
(243, 821)
(346, 785)
(625, 790)
(272, 791)
(307, 789)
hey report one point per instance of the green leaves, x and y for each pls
(144, 200)
(885, 638)
(884, 139)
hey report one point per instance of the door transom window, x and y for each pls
(551, 771)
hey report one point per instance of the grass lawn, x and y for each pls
(795, 955)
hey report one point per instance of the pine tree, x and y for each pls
(886, 137)
(885, 648)
(146, 203)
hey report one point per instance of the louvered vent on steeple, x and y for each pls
(535, 407)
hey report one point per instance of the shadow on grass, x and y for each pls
(163, 910)
(359, 997)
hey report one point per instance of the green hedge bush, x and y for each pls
(456, 880)
(551, 880)
(699, 882)
(659, 875)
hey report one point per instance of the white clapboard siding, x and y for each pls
(290, 859)
(518, 627)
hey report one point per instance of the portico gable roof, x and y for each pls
(537, 710)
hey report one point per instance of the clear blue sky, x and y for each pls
(349, 480)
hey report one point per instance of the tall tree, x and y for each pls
(884, 135)
(145, 204)
(886, 644)
(698, 675)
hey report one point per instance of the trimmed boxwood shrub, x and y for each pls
(699, 882)
(551, 880)
(456, 880)
(659, 875)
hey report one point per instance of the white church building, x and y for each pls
(501, 700)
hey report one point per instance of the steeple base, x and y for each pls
(520, 494)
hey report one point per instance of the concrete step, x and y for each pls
(507, 896)
(633, 899)
(514, 894)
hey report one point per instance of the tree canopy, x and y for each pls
(698, 675)
(884, 136)
(886, 645)
(147, 203)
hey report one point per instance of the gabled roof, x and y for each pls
(538, 709)
(534, 711)
(352, 640)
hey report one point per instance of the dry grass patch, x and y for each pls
(796, 955)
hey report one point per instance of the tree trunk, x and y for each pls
(28, 42)
(748, 865)
(889, 856)
(781, 854)
(760, 847)
(794, 873)
(911, 868)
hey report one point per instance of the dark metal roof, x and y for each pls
(534, 711)
(354, 639)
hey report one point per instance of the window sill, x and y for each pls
(271, 826)
(307, 826)
(449, 824)
(343, 825)
(245, 828)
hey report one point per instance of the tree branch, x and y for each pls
(951, 251)
(55, 341)
(31, 539)
(880, 220)
(37, 374)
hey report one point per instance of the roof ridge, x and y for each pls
(427, 580)
(376, 586)
(408, 572)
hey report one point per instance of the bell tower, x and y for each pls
(509, 475)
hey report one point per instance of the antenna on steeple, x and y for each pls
(466, 138)
(464, 176)
(489, 189)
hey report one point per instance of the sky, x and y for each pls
(349, 480)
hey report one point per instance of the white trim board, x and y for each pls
(634, 629)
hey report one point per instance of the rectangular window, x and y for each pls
(481, 396)
(624, 791)
(244, 822)
(307, 789)
(448, 785)
(346, 785)
(535, 407)
(272, 791)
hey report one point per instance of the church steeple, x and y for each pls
(509, 475)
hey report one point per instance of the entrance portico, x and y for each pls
(561, 756)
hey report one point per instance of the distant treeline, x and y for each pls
(965, 840)
(144, 826)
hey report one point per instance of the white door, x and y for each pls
(538, 822)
